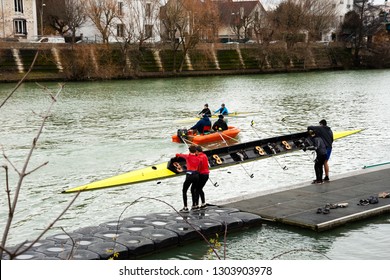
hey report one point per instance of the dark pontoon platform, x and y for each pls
(298, 205)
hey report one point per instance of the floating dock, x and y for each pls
(304, 205)
(138, 236)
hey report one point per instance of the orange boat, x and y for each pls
(188, 135)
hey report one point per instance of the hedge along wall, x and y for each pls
(88, 62)
(7, 61)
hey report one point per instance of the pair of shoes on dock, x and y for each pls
(338, 205)
(370, 200)
(324, 210)
(328, 206)
(317, 182)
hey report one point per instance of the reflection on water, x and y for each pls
(102, 129)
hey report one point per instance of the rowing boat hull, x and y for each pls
(220, 157)
(208, 138)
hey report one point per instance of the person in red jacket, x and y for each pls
(192, 177)
(204, 173)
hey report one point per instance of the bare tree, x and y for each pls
(186, 23)
(75, 16)
(103, 14)
(359, 25)
(172, 16)
(140, 24)
(298, 20)
(65, 16)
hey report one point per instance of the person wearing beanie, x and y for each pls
(320, 149)
(220, 124)
(325, 132)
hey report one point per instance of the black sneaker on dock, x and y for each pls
(326, 179)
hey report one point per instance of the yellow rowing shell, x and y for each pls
(155, 172)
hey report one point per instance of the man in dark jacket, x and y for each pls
(320, 148)
(324, 131)
(205, 111)
(203, 125)
(220, 124)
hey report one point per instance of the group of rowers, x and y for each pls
(197, 173)
(204, 124)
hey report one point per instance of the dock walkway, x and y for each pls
(298, 205)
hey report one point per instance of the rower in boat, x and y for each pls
(220, 124)
(203, 125)
(223, 110)
(205, 111)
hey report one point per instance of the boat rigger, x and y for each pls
(220, 157)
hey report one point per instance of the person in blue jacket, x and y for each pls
(325, 132)
(223, 110)
(203, 125)
(320, 148)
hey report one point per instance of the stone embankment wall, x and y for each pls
(64, 62)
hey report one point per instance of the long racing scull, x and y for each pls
(220, 157)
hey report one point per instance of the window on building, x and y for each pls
(148, 30)
(257, 17)
(20, 27)
(18, 6)
(242, 12)
(148, 10)
(120, 30)
(120, 8)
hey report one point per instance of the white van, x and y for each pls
(55, 40)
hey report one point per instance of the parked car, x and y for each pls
(55, 40)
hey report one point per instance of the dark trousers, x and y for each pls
(191, 181)
(318, 166)
(203, 178)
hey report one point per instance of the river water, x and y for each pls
(100, 129)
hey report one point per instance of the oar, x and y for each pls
(223, 139)
(214, 184)
(250, 175)
(227, 136)
(285, 125)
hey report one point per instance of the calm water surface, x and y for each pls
(102, 129)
